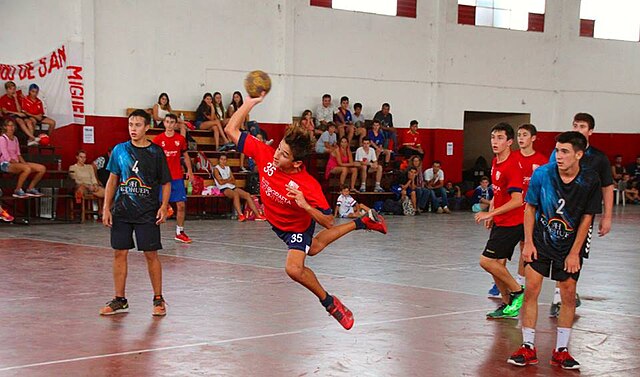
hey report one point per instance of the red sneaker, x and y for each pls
(5, 216)
(341, 313)
(562, 358)
(260, 217)
(241, 218)
(524, 356)
(182, 237)
(374, 221)
(170, 212)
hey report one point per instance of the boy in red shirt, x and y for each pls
(34, 109)
(10, 106)
(505, 218)
(174, 145)
(294, 202)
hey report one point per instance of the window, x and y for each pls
(506, 14)
(612, 19)
(401, 8)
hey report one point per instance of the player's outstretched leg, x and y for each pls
(371, 221)
(302, 274)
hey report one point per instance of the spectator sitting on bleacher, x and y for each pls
(207, 119)
(100, 167)
(386, 121)
(434, 181)
(634, 170)
(236, 102)
(359, 123)
(366, 156)
(85, 177)
(341, 162)
(11, 161)
(408, 196)
(306, 122)
(343, 119)
(376, 135)
(347, 207)
(226, 183)
(324, 113)
(422, 193)
(328, 141)
(482, 196)
(411, 141)
(161, 109)
(10, 106)
(454, 195)
(219, 109)
(33, 107)
(4, 215)
(617, 169)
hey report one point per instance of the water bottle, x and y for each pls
(182, 117)
(189, 188)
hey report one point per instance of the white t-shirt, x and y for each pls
(358, 118)
(428, 175)
(225, 173)
(324, 113)
(361, 155)
(345, 205)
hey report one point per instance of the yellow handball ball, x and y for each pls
(256, 82)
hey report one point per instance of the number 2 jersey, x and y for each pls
(560, 207)
(282, 211)
(141, 173)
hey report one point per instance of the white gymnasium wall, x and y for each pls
(428, 68)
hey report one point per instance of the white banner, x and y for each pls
(59, 76)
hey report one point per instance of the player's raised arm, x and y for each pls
(237, 119)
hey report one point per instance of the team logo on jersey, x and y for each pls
(557, 227)
(176, 142)
(498, 175)
(293, 185)
(134, 186)
(534, 167)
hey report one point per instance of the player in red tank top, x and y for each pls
(294, 202)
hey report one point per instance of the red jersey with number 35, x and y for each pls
(529, 164)
(173, 148)
(282, 211)
(507, 178)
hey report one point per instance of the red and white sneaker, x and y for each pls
(375, 221)
(5, 216)
(182, 237)
(170, 212)
(562, 358)
(260, 217)
(242, 218)
(341, 313)
(525, 355)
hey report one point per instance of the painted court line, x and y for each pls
(227, 341)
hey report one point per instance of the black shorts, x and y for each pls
(546, 267)
(147, 236)
(297, 241)
(502, 241)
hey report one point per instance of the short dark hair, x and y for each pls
(366, 138)
(357, 105)
(326, 96)
(585, 117)
(437, 162)
(484, 178)
(172, 116)
(344, 98)
(298, 140)
(376, 121)
(8, 84)
(528, 127)
(345, 186)
(413, 122)
(330, 124)
(80, 151)
(506, 127)
(576, 139)
(386, 105)
(141, 113)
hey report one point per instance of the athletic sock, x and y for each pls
(562, 340)
(328, 301)
(359, 223)
(179, 229)
(377, 184)
(520, 279)
(528, 336)
(120, 298)
(556, 296)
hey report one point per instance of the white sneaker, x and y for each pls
(33, 142)
(269, 142)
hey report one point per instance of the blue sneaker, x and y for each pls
(34, 192)
(494, 292)
(19, 193)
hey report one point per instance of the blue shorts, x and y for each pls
(297, 241)
(4, 166)
(178, 192)
(198, 123)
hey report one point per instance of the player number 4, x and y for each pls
(135, 167)
(561, 203)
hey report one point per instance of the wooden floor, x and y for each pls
(418, 296)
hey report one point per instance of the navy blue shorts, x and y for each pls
(147, 236)
(297, 241)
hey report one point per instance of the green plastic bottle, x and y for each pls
(189, 188)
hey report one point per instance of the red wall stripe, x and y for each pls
(321, 3)
(466, 15)
(586, 28)
(536, 22)
(406, 8)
